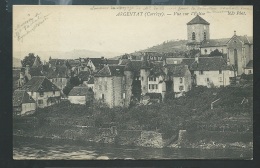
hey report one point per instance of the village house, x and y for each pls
(80, 95)
(111, 84)
(43, 91)
(23, 104)
(211, 71)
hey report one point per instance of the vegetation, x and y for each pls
(74, 81)
(215, 53)
(190, 112)
(28, 60)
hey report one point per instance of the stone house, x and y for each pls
(111, 84)
(207, 46)
(43, 91)
(80, 95)
(181, 78)
(23, 104)
(211, 71)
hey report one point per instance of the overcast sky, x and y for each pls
(65, 28)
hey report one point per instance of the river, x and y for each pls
(38, 149)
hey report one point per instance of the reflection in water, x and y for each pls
(25, 148)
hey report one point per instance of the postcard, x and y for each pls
(132, 82)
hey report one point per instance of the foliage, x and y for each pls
(28, 60)
(74, 81)
(215, 53)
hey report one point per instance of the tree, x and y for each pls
(215, 53)
(29, 60)
(74, 81)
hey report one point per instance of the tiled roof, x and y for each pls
(198, 20)
(250, 64)
(210, 64)
(91, 80)
(187, 61)
(156, 70)
(20, 97)
(111, 70)
(40, 84)
(79, 91)
(214, 42)
(176, 70)
(36, 71)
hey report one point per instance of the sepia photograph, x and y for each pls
(132, 82)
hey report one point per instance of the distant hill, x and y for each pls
(168, 46)
(16, 62)
(44, 55)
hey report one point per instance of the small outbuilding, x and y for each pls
(80, 95)
(23, 104)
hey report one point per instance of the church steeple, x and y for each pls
(36, 62)
(197, 31)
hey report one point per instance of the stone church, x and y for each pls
(237, 50)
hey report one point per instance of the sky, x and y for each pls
(104, 28)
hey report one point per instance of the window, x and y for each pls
(41, 94)
(180, 88)
(205, 36)
(40, 101)
(201, 72)
(153, 86)
(142, 78)
(220, 79)
(249, 71)
(181, 80)
(193, 36)
(207, 79)
(152, 79)
(205, 51)
(220, 71)
(53, 92)
(102, 96)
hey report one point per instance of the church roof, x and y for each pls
(214, 42)
(36, 62)
(198, 20)
(210, 64)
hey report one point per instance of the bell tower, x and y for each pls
(197, 31)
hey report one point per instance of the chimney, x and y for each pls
(235, 32)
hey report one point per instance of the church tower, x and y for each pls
(197, 31)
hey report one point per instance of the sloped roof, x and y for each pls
(55, 62)
(124, 61)
(210, 64)
(91, 80)
(198, 20)
(79, 91)
(96, 61)
(187, 61)
(111, 70)
(156, 70)
(250, 64)
(244, 39)
(214, 42)
(40, 84)
(36, 71)
(20, 97)
(176, 70)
